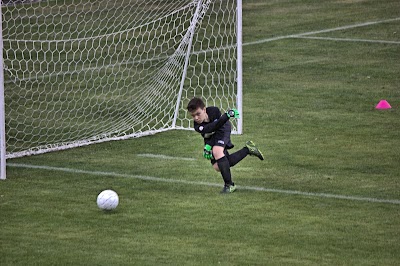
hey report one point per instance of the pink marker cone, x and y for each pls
(383, 104)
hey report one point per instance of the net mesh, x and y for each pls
(80, 72)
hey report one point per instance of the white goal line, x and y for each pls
(299, 35)
(180, 181)
(164, 157)
(346, 39)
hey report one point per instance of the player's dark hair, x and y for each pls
(194, 104)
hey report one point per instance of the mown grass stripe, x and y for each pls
(159, 179)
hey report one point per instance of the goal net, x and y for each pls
(78, 72)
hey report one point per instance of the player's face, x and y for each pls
(199, 115)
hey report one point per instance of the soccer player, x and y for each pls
(216, 131)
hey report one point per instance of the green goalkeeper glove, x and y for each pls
(207, 152)
(233, 113)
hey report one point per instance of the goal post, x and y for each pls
(2, 109)
(239, 66)
(78, 72)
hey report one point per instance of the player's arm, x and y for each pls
(215, 125)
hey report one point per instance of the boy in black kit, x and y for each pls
(216, 131)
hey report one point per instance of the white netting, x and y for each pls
(78, 72)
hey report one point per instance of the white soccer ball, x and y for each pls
(107, 200)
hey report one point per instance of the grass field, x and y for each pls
(327, 194)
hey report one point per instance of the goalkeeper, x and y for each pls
(216, 131)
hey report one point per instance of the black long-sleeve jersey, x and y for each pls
(219, 124)
(206, 129)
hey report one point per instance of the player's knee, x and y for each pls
(215, 166)
(218, 152)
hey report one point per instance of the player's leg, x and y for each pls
(250, 148)
(223, 166)
(253, 150)
(218, 152)
(237, 156)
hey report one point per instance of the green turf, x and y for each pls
(308, 104)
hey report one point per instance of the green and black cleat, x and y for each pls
(253, 150)
(228, 189)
